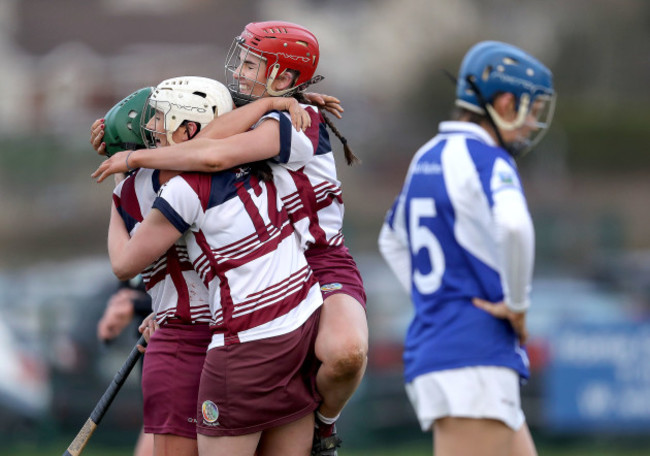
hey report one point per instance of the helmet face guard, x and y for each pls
(491, 68)
(532, 122)
(245, 86)
(157, 112)
(122, 123)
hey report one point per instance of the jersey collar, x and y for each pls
(466, 128)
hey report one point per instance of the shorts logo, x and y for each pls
(331, 287)
(210, 411)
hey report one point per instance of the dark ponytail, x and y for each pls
(350, 158)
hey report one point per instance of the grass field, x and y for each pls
(583, 448)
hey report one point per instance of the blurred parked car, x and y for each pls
(54, 370)
(25, 392)
(587, 350)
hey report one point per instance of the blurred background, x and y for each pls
(66, 62)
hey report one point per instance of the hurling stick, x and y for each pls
(82, 438)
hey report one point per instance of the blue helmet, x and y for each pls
(491, 68)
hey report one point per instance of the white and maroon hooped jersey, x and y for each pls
(241, 243)
(175, 288)
(305, 174)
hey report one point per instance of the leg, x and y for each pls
(174, 445)
(292, 439)
(144, 445)
(523, 444)
(469, 437)
(241, 445)
(342, 347)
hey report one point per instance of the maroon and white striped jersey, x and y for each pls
(177, 292)
(305, 174)
(243, 246)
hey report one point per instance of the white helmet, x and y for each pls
(183, 99)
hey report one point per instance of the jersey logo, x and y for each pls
(427, 168)
(331, 287)
(506, 178)
(503, 176)
(210, 412)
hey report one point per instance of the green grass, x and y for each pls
(587, 447)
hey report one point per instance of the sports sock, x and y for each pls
(326, 425)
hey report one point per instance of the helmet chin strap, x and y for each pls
(280, 93)
(271, 79)
(524, 104)
(488, 113)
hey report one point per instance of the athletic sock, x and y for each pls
(326, 425)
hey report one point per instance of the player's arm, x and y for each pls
(515, 239)
(130, 255)
(200, 154)
(242, 119)
(393, 245)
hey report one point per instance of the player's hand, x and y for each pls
(97, 136)
(118, 314)
(147, 328)
(327, 102)
(300, 118)
(501, 310)
(115, 164)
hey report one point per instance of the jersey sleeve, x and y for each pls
(296, 147)
(179, 203)
(393, 244)
(117, 193)
(514, 235)
(127, 203)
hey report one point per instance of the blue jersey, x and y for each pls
(449, 239)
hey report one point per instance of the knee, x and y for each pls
(348, 360)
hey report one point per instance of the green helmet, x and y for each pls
(122, 123)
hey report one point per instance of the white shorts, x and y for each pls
(470, 392)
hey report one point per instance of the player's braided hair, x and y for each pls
(350, 157)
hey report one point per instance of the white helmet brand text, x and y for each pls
(189, 108)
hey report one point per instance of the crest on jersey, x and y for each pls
(331, 287)
(503, 176)
(210, 411)
(506, 178)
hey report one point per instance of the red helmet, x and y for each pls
(284, 46)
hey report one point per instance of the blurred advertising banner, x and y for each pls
(598, 378)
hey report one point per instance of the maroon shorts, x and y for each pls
(336, 272)
(258, 385)
(170, 378)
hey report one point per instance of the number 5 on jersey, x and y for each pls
(422, 237)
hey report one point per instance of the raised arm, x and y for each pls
(242, 119)
(130, 255)
(199, 154)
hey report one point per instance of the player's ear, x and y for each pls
(284, 81)
(504, 105)
(192, 129)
